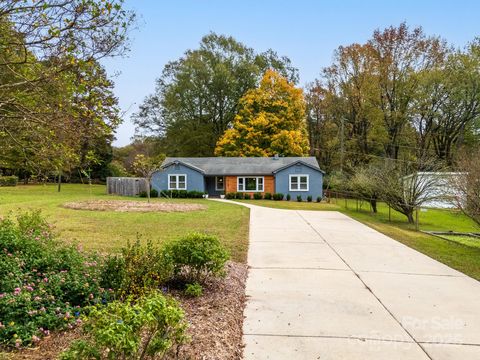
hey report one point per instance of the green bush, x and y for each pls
(138, 269)
(195, 194)
(319, 198)
(143, 194)
(238, 195)
(257, 196)
(299, 198)
(267, 196)
(278, 196)
(182, 194)
(309, 198)
(196, 257)
(151, 327)
(153, 193)
(289, 197)
(44, 284)
(194, 290)
(230, 195)
(247, 196)
(8, 181)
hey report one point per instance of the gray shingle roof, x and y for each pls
(241, 165)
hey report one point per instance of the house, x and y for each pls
(220, 175)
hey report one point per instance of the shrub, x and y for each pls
(182, 194)
(143, 194)
(194, 290)
(137, 270)
(153, 326)
(195, 257)
(299, 198)
(278, 196)
(239, 195)
(309, 198)
(247, 196)
(44, 284)
(153, 193)
(319, 198)
(8, 181)
(267, 196)
(289, 197)
(257, 196)
(230, 195)
(195, 194)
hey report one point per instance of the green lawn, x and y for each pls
(108, 231)
(458, 255)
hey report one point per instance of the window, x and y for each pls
(250, 184)
(177, 182)
(299, 183)
(219, 183)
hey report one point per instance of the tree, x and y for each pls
(47, 47)
(405, 187)
(364, 182)
(270, 120)
(146, 166)
(196, 97)
(466, 185)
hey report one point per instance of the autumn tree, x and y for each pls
(270, 120)
(196, 97)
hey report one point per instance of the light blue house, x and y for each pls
(220, 175)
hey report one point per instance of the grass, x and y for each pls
(463, 239)
(108, 231)
(458, 255)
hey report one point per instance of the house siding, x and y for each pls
(268, 183)
(315, 188)
(195, 179)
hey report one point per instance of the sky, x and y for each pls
(308, 32)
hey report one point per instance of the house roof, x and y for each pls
(241, 165)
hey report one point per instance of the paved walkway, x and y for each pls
(324, 286)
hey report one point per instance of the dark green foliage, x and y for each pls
(319, 199)
(183, 194)
(150, 327)
(239, 195)
(267, 196)
(194, 290)
(247, 196)
(195, 194)
(143, 194)
(289, 197)
(299, 198)
(44, 284)
(257, 196)
(153, 193)
(278, 196)
(230, 195)
(8, 180)
(309, 198)
(196, 257)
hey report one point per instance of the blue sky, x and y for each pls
(306, 31)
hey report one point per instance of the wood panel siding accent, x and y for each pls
(268, 184)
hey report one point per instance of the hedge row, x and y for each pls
(8, 180)
(256, 196)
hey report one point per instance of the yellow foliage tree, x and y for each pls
(270, 120)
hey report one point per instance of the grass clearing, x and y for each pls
(460, 256)
(108, 231)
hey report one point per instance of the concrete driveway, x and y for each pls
(324, 286)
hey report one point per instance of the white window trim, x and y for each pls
(244, 183)
(216, 188)
(298, 175)
(176, 181)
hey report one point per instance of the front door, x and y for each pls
(215, 185)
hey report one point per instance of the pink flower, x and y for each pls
(18, 342)
(2, 295)
(35, 339)
(45, 279)
(90, 296)
(17, 291)
(37, 298)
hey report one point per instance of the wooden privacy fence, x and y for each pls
(126, 186)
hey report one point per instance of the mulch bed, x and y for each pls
(133, 206)
(215, 320)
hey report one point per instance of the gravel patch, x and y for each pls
(133, 206)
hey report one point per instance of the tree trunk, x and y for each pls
(373, 203)
(59, 181)
(148, 190)
(410, 218)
